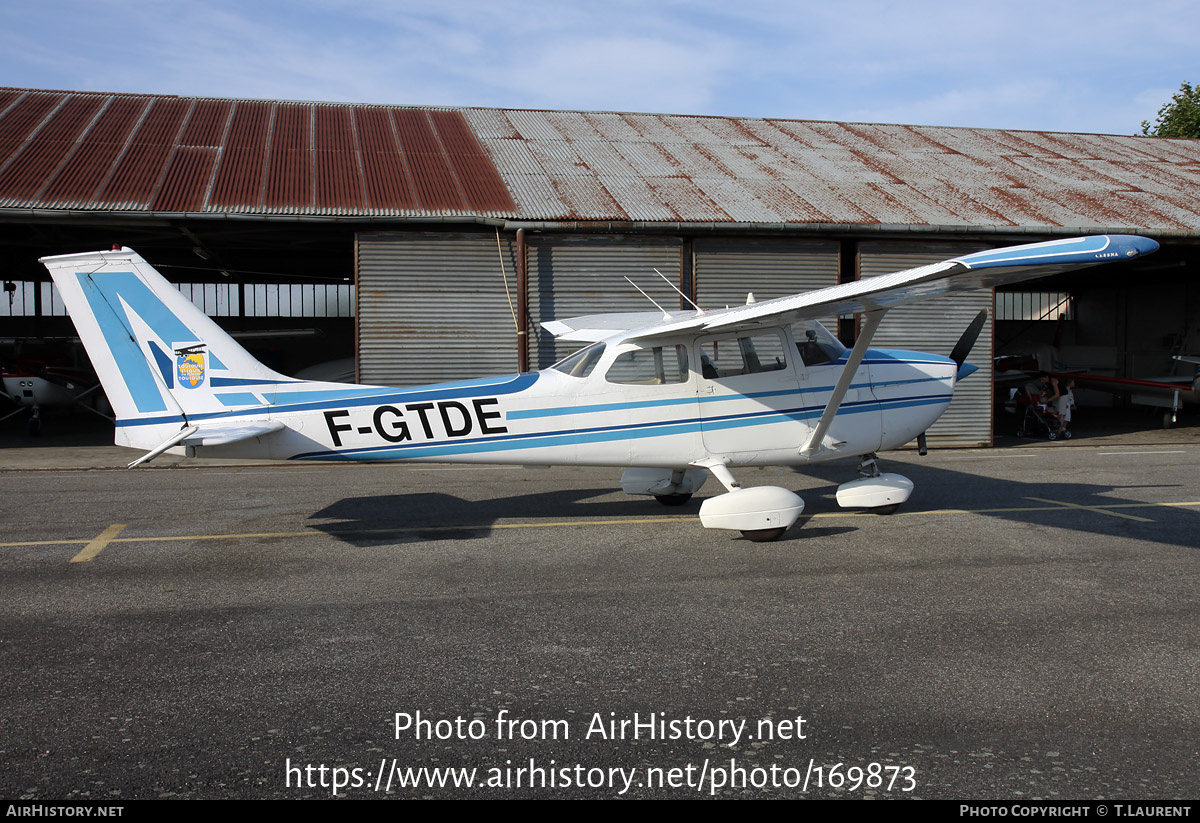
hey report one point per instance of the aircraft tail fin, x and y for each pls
(158, 356)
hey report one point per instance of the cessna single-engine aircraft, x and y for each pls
(670, 396)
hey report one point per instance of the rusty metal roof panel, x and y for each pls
(694, 130)
(835, 204)
(376, 131)
(339, 181)
(39, 160)
(387, 182)
(535, 194)
(636, 199)
(513, 156)
(729, 131)
(207, 123)
(533, 125)
(785, 201)
(695, 162)
(687, 200)
(973, 143)
(437, 188)
(22, 119)
(742, 162)
(8, 97)
(573, 126)
(1179, 209)
(654, 127)
(612, 128)
(1157, 176)
(586, 198)
(1168, 151)
(477, 178)
(558, 159)
(491, 124)
(137, 172)
(738, 201)
(88, 167)
(186, 181)
(288, 181)
(648, 159)
(387, 187)
(239, 182)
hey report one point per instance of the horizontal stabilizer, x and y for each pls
(218, 435)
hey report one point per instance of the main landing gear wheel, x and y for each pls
(763, 535)
(876, 491)
(672, 499)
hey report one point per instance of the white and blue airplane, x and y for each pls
(669, 396)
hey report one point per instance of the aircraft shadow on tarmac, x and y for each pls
(1080, 507)
(425, 516)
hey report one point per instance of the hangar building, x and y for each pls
(429, 243)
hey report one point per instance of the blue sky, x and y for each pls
(1098, 66)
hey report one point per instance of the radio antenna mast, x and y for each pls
(666, 314)
(681, 294)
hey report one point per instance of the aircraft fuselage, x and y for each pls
(620, 413)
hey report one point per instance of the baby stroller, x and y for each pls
(1037, 420)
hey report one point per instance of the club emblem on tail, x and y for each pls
(189, 366)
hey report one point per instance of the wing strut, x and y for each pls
(870, 324)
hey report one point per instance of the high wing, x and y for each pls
(985, 269)
(592, 328)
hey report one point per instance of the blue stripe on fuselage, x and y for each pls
(631, 431)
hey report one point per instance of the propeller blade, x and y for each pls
(963, 347)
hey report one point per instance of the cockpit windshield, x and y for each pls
(581, 363)
(815, 343)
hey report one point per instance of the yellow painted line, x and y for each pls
(97, 545)
(108, 536)
(1096, 509)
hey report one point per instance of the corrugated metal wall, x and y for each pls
(572, 276)
(432, 307)
(934, 326)
(725, 270)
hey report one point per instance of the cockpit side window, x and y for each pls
(581, 363)
(658, 366)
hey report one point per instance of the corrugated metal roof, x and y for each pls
(141, 153)
(131, 153)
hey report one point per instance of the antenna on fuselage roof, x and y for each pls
(666, 315)
(681, 294)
